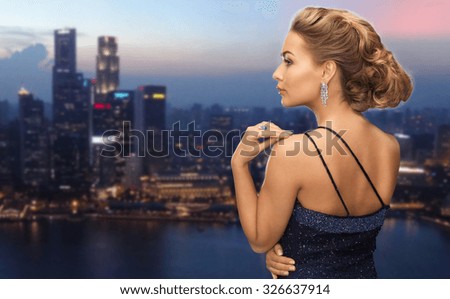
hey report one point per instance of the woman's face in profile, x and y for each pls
(297, 75)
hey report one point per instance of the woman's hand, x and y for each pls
(277, 264)
(250, 147)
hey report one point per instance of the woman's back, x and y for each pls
(378, 154)
(345, 193)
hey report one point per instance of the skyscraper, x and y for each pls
(34, 159)
(107, 66)
(113, 120)
(9, 163)
(443, 144)
(71, 110)
(4, 112)
(221, 124)
(154, 106)
(152, 99)
(65, 51)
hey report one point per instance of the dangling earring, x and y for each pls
(324, 93)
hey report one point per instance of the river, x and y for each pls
(406, 248)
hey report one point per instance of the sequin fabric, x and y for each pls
(327, 246)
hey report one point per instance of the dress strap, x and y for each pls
(328, 172)
(357, 161)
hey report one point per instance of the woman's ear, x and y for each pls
(329, 68)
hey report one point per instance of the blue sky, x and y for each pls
(207, 51)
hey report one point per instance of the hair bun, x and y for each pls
(371, 76)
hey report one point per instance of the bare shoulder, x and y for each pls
(289, 149)
(391, 148)
(287, 154)
(390, 142)
(394, 146)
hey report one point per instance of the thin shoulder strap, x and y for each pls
(329, 173)
(357, 161)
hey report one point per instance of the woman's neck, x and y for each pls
(336, 114)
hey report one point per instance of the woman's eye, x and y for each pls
(286, 61)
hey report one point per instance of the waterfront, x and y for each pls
(406, 248)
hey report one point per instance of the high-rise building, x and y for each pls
(107, 66)
(34, 142)
(152, 99)
(154, 106)
(443, 144)
(71, 110)
(9, 163)
(220, 125)
(406, 146)
(113, 122)
(65, 51)
(4, 112)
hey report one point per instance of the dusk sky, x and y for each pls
(210, 51)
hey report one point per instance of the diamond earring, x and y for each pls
(324, 93)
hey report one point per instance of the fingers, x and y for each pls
(277, 264)
(284, 262)
(271, 131)
(275, 272)
(266, 143)
(270, 126)
(271, 136)
(278, 249)
(256, 140)
(274, 133)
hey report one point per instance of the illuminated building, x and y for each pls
(406, 146)
(220, 125)
(107, 66)
(9, 163)
(34, 158)
(71, 105)
(65, 51)
(443, 144)
(115, 118)
(187, 187)
(152, 99)
(154, 106)
(411, 174)
(4, 112)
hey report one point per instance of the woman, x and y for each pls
(326, 191)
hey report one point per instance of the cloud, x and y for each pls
(14, 38)
(25, 66)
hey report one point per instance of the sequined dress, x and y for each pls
(331, 246)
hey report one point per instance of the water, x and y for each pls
(406, 248)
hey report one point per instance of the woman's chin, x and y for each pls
(285, 103)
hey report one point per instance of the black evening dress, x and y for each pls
(329, 246)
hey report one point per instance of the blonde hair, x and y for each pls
(371, 77)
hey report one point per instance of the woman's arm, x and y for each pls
(264, 217)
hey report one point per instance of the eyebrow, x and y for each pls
(282, 54)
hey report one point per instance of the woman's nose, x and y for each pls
(276, 75)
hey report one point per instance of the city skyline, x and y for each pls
(116, 158)
(209, 52)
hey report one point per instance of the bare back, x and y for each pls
(377, 152)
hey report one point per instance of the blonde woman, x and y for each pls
(326, 191)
